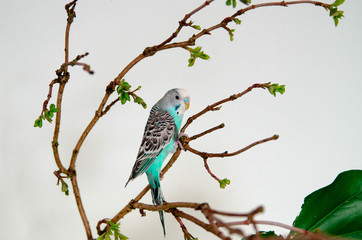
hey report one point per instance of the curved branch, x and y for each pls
(80, 206)
(226, 154)
(215, 106)
(191, 41)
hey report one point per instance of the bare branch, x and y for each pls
(206, 132)
(182, 23)
(209, 171)
(226, 154)
(75, 61)
(80, 206)
(214, 106)
(187, 235)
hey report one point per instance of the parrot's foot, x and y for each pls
(179, 142)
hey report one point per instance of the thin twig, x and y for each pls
(206, 132)
(65, 77)
(75, 61)
(182, 23)
(277, 224)
(205, 209)
(229, 214)
(216, 105)
(187, 235)
(209, 171)
(191, 41)
(51, 84)
(106, 109)
(226, 154)
(80, 206)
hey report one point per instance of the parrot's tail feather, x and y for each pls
(157, 199)
(128, 181)
(162, 222)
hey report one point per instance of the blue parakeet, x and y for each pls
(160, 139)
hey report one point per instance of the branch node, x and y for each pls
(150, 51)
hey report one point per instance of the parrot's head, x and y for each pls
(177, 99)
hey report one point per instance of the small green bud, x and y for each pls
(224, 182)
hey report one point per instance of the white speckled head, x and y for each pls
(177, 100)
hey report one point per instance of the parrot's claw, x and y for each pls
(179, 142)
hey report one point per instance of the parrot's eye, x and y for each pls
(177, 97)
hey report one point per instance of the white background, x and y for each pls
(318, 118)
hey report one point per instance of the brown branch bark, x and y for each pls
(65, 77)
(216, 105)
(187, 234)
(80, 206)
(206, 132)
(182, 23)
(226, 154)
(281, 225)
(209, 171)
(191, 41)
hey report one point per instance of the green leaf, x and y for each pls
(231, 34)
(121, 236)
(237, 21)
(196, 50)
(101, 237)
(47, 117)
(114, 230)
(50, 114)
(247, 2)
(126, 86)
(335, 14)
(196, 53)
(65, 188)
(53, 109)
(123, 86)
(123, 100)
(337, 3)
(228, 2)
(274, 88)
(335, 209)
(144, 105)
(119, 89)
(38, 122)
(224, 182)
(264, 234)
(191, 61)
(197, 27)
(126, 96)
(204, 56)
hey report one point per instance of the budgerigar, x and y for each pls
(160, 139)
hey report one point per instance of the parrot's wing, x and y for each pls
(159, 131)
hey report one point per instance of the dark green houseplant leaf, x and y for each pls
(335, 209)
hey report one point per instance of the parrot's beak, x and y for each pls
(187, 105)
